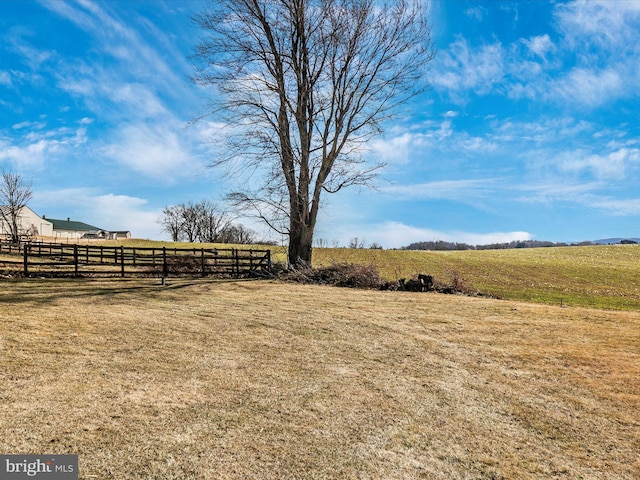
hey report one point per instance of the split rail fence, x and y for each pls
(61, 259)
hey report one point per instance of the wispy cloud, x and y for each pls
(557, 66)
(37, 146)
(462, 67)
(138, 92)
(619, 207)
(612, 165)
(553, 192)
(458, 190)
(608, 24)
(589, 87)
(118, 39)
(155, 151)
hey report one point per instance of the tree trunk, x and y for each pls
(300, 244)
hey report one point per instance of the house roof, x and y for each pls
(5, 211)
(72, 226)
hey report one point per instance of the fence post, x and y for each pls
(26, 261)
(165, 268)
(75, 259)
(202, 261)
(122, 261)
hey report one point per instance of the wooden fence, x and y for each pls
(61, 259)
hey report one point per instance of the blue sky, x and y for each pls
(529, 130)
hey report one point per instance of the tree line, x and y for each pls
(203, 222)
(442, 245)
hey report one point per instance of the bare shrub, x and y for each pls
(457, 284)
(184, 264)
(340, 275)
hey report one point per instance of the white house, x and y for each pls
(29, 223)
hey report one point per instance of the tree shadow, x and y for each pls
(49, 291)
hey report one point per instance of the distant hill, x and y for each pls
(613, 241)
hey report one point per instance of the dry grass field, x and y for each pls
(254, 379)
(590, 276)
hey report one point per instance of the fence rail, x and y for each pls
(106, 260)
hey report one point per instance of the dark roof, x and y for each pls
(72, 226)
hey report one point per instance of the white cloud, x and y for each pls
(403, 146)
(155, 151)
(32, 154)
(397, 149)
(476, 145)
(462, 67)
(109, 211)
(124, 43)
(609, 166)
(5, 78)
(540, 45)
(619, 207)
(123, 212)
(422, 141)
(460, 190)
(556, 190)
(476, 13)
(589, 60)
(110, 94)
(37, 146)
(546, 131)
(26, 124)
(588, 87)
(603, 22)
(32, 56)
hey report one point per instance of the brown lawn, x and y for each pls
(256, 379)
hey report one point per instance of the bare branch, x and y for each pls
(15, 193)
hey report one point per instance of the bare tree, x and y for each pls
(212, 222)
(355, 242)
(191, 214)
(302, 85)
(238, 234)
(171, 221)
(203, 222)
(15, 193)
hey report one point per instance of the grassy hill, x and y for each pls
(593, 276)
